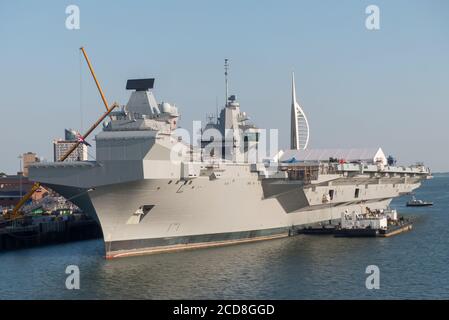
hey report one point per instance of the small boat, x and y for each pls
(372, 223)
(356, 232)
(377, 223)
(418, 203)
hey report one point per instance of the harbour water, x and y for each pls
(412, 265)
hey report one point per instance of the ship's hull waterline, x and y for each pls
(197, 213)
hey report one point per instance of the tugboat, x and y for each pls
(418, 203)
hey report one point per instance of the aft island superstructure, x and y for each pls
(153, 190)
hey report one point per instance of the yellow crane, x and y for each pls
(15, 213)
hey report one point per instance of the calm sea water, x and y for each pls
(412, 265)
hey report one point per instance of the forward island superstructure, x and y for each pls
(153, 191)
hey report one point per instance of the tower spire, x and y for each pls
(293, 89)
(299, 130)
(293, 118)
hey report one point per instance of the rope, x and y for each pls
(81, 91)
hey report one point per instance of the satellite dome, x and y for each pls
(166, 107)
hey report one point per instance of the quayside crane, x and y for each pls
(16, 213)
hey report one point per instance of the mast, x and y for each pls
(226, 65)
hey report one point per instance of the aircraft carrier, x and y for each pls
(152, 190)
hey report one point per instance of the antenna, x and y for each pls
(216, 109)
(226, 65)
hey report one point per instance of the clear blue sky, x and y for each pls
(359, 88)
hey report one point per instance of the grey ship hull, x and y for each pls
(201, 212)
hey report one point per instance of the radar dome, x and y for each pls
(166, 107)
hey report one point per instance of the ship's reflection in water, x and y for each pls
(412, 265)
